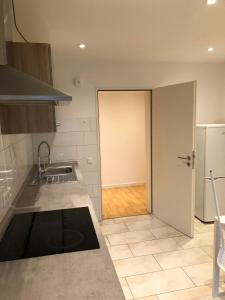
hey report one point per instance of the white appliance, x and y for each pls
(210, 155)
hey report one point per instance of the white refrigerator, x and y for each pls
(210, 155)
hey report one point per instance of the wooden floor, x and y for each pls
(123, 201)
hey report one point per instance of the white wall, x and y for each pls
(122, 137)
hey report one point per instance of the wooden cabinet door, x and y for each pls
(33, 59)
(27, 118)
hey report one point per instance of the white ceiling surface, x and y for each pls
(127, 30)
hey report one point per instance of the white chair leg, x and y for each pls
(216, 269)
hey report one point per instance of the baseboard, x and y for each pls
(123, 184)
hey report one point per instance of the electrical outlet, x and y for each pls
(90, 160)
(77, 82)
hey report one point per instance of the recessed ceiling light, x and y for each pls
(82, 46)
(210, 49)
(211, 2)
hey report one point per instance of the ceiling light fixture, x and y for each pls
(211, 2)
(82, 46)
(210, 49)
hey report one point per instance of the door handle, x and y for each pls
(185, 157)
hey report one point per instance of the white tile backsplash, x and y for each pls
(91, 177)
(76, 124)
(76, 139)
(64, 153)
(90, 138)
(87, 151)
(88, 164)
(93, 124)
(16, 160)
(66, 139)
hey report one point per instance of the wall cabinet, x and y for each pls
(27, 118)
(34, 59)
(31, 58)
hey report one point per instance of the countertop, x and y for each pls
(84, 275)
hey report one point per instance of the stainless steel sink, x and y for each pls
(56, 173)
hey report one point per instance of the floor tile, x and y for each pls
(199, 240)
(113, 228)
(144, 224)
(158, 282)
(188, 257)
(136, 265)
(202, 228)
(165, 232)
(107, 221)
(148, 298)
(120, 252)
(126, 289)
(133, 218)
(200, 274)
(208, 250)
(130, 237)
(153, 247)
(198, 293)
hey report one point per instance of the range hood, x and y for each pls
(17, 87)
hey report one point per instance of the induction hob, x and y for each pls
(47, 233)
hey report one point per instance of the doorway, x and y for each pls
(170, 158)
(124, 127)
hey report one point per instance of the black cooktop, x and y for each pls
(47, 233)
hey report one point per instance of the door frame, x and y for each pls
(149, 167)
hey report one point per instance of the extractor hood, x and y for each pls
(16, 87)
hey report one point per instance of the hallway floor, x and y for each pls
(155, 262)
(123, 201)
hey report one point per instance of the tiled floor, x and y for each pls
(155, 262)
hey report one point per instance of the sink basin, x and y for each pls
(58, 171)
(56, 174)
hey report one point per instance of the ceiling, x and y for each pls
(127, 30)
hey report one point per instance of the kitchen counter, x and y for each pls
(84, 275)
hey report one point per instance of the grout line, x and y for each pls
(134, 275)
(193, 287)
(131, 250)
(106, 236)
(125, 225)
(169, 292)
(190, 265)
(189, 276)
(126, 242)
(162, 252)
(162, 270)
(158, 263)
(129, 287)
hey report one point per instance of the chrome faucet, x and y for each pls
(40, 169)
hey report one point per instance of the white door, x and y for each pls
(173, 128)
